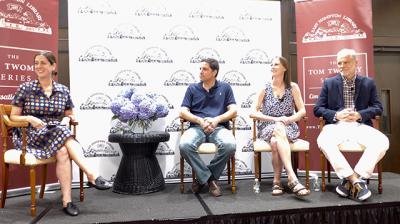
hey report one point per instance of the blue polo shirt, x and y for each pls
(209, 104)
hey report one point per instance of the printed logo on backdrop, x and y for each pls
(249, 101)
(170, 106)
(334, 27)
(180, 78)
(241, 123)
(206, 53)
(235, 78)
(154, 55)
(126, 31)
(249, 16)
(164, 149)
(96, 7)
(118, 126)
(175, 125)
(180, 32)
(23, 16)
(97, 53)
(240, 168)
(97, 101)
(249, 147)
(127, 77)
(256, 56)
(204, 12)
(100, 148)
(153, 9)
(175, 172)
(232, 33)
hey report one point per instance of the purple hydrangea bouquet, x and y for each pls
(137, 109)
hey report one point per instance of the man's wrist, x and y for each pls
(359, 117)
(335, 117)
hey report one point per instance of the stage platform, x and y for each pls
(170, 206)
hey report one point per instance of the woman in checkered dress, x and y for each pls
(47, 106)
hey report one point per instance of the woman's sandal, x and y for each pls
(277, 189)
(296, 187)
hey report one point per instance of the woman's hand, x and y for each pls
(36, 122)
(65, 121)
(285, 120)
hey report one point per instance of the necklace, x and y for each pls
(278, 91)
(48, 90)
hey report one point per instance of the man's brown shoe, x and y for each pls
(196, 186)
(215, 190)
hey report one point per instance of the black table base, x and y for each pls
(139, 171)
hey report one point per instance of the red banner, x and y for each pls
(323, 28)
(26, 27)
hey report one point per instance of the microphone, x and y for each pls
(281, 99)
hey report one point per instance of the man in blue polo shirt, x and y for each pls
(208, 106)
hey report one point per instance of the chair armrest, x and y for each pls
(73, 123)
(321, 123)
(182, 126)
(255, 119)
(14, 124)
(376, 122)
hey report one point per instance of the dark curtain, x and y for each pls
(382, 213)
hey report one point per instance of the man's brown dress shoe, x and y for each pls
(196, 186)
(215, 190)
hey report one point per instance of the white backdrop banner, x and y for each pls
(157, 46)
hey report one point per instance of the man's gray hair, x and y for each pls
(346, 52)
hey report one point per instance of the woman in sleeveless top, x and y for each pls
(275, 108)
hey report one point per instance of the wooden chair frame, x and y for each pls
(325, 162)
(230, 162)
(295, 154)
(6, 126)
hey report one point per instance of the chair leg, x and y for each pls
(328, 167)
(233, 175)
(228, 169)
(43, 184)
(256, 168)
(306, 157)
(5, 183)
(380, 189)
(81, 193)
(259, 166)
(295, 162)
(322, 160)
(32, 175)
(181, 170)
